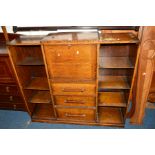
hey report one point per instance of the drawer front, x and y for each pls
(72, 71)
(73, 89)
(74, 101)
(9, 90)
(11, 106)
(71, 53)
(76, 114)
(10, 99)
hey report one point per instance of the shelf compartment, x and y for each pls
(112, 38)
(43, 111)
(41, 97)
(31, 61)
(113, 82)
(115, 62)
(109, 115)
(115, 99)
(38, 83)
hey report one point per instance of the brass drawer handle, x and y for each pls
(73, 90)
(75, 115)
(11, 98)
(74, 101)
(7, 89)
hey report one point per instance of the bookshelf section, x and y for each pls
(30, 68)
(117, 58)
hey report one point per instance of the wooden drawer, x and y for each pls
(11, 106)
(71, 53)
(19, 107)
(73, 71)
(73, 89)
(74, 100)
(9, 90)
(10, 99)
(76, 114)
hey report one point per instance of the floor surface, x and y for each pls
(21, 120)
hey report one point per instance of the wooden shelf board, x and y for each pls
(31, 61)
(108, 115)
(112, 38)
(38, 83)
(41, 97)
(115, 62)
(113, 82)
(43, 111)
(116, 99)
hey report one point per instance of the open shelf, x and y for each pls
(115, 62)
(38, 83)
(108, 115)
(31, 61)
(113, 38)
(113, 82)
(43, 111)
(116, 99)
(41, 97)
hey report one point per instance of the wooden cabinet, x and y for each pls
(81, 78)
(6, 74)
(10, 95)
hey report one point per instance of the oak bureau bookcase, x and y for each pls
(76, 77)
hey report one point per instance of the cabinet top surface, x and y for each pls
(71, 37)
(27, 40)
(76, 38)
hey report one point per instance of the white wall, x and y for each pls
(9, 29)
